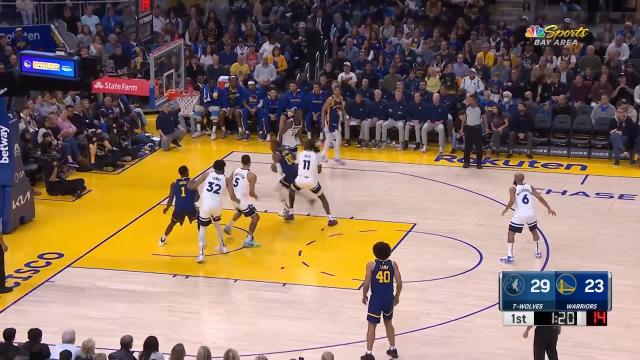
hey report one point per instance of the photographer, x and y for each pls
(102, 155)
(55, 174)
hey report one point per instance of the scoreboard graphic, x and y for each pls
(555, 297)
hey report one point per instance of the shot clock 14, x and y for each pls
(555, 290)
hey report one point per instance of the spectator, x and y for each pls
(563, 107)
(357, 111)
(110, 21)
(347, 77)
(623, 135)
(215, 70)
(352, 53)
(227, 56)
(623, 92)
(26, 8)
(128, 20)
(389, 82)
(170, 132)
(436, 117)
(194, 69)
(621, 46)
(433, 81)
(66, 355)
(71, 20)
(34, 349)
(120, 60)
(590, 60)
(87, 350)
(177, 352)
(204, 353)
(265, 73)
(580, 91)
(8, 350)
(56, 184)
(150, 349)
(471, 83)
(125, 352)
(601, 88)
(499, 127)
(231, 354)
(240, 69)
(158, 20)
(67, 344)
(84, 37)
(267, 47)
(521, 128)
(90, 19)
(280, 62)
(19, 41)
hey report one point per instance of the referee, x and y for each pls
(545, 340)
(472, 127)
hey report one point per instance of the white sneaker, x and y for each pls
(424, 148)
(227, 230)
(222, 249)
(508, 259)
(196, 134)
(440, 151)
(213, 135)
(200, 259)
(268, 137)
(340, 162)
(163, 240)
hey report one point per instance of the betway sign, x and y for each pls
(113, 85)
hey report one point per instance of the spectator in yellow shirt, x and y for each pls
(433, 81)
(280, 62)
(240, 68)
(488, 55)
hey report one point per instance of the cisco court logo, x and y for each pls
(553, 35)
(514, 164)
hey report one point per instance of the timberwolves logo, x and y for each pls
(566, 284)
(513, 284)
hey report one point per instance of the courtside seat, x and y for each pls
(584, 109)
(542, 129)
(582, 131)
(561, 130)
(600, 137)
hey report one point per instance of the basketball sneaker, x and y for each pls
(196, 134)
(508, 259)
(227, 229)
(538, 254)
(200, 259)
(332, 222)
(213, 135)
(250, 243)
(288, 216)
(340, 162)
(367, 357)
(223, 134)
(393, 353)
(163, 240)
(268, 137)
(222, 249)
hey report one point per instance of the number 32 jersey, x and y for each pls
(214, 189)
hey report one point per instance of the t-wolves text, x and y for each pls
(585, 194)
(32, 268)
(516, 164)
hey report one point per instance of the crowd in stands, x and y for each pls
(35, 349)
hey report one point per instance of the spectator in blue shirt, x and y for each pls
(110, 21)
(227, 56)
(313, 108)
(293, 99)
(357, 111)
(366, 89)
(437, 114)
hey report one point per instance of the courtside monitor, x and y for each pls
(49, 65)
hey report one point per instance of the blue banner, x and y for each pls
(40, 64)
(40, 36)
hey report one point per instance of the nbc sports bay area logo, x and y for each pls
(552, 35)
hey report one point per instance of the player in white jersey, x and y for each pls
(212, 194)
(522, 196)
(241, 191)
(289, 133)
(308, 169)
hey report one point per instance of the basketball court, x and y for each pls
(94, 264)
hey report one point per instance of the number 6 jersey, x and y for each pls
(524, 200)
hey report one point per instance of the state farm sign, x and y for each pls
(113, 85)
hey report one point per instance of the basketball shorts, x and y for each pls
(214, 112)
(246, 208)
(303, 182)
(230, 110)
(520, 220)
(179, 214)
(209, 213)
(198, 112)
(287, 180)
(380, 308)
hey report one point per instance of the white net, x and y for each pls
(187, 102)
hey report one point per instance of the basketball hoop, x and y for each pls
(187, 100)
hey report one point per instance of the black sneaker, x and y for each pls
(529, 156)
(405, 145)
(393, 353)
(616, 162)
(176, 143)
(418, 146)
(453, 151)
(367, 357)
(465, 165)
(479, 166)
(5, 290)
(359, 144)
(347, 143)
